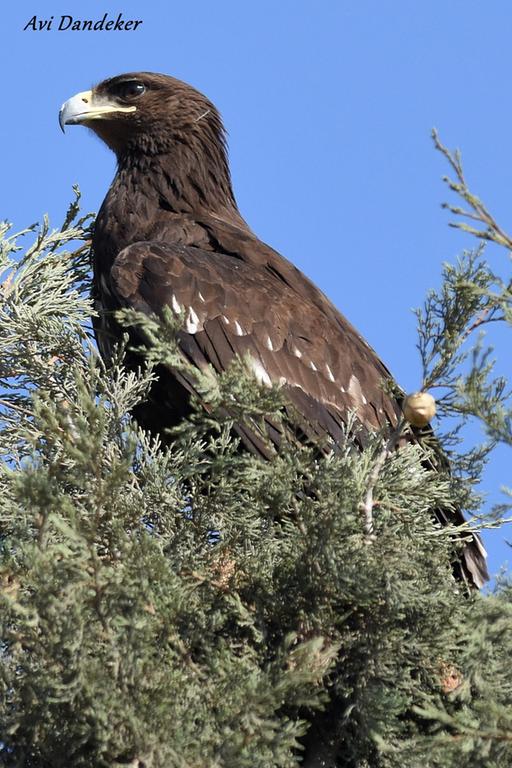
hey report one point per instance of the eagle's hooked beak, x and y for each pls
(85, 107)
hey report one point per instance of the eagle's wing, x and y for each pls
(232, 309)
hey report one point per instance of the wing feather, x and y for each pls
(234, 309)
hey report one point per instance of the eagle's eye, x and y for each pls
(130, 89)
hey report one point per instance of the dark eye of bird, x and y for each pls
(129, 89)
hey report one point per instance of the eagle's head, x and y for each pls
(144, 111)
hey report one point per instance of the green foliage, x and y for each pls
(473, 297)
(187, 605)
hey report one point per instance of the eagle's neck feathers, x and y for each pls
(189, 168)
(164, 178)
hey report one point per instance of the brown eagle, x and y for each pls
(169, 233)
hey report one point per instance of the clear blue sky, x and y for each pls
(329, 107)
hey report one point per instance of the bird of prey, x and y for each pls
(169, 234)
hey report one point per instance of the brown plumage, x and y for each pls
(169, 233)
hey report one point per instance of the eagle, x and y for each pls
(169, 234)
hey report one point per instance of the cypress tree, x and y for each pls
(187, 605)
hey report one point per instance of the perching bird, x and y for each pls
(169, 233)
